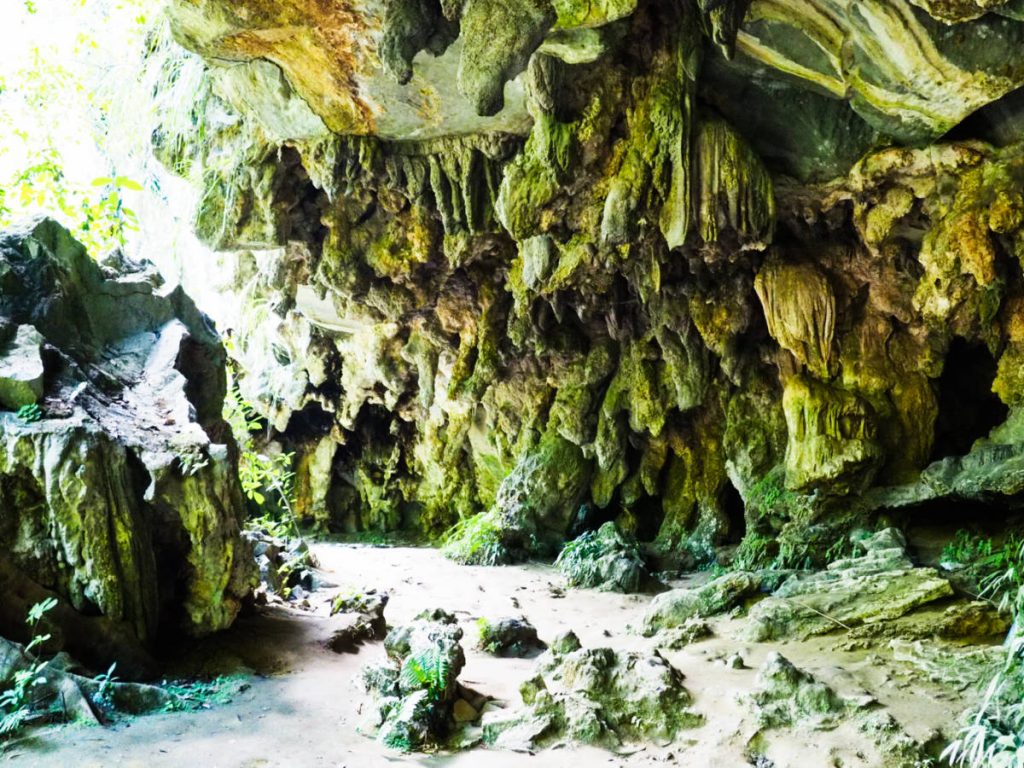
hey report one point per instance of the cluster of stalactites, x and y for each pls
(459, 175)
(499, 37)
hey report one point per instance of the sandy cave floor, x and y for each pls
(302, 706)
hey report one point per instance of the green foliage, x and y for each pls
(193, 695)
(17, 701)
(96, 214)
(965, 548)
(476, 540)
(30, 413)
(485, 631)
(268, 481)
(102, 697)
(996, 569)
(755, 553)
(428, 669)
(994, 735)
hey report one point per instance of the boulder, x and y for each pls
(121, 496)
(786, 696)
(21, 368)
(604, 559)
(415, 690)
(594, 696)
(509, 637)
(678, 606)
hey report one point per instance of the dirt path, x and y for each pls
(302, 708)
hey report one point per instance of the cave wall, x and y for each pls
(622, 260)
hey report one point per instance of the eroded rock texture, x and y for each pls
(707, 269)
(118, 485)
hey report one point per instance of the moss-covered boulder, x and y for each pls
(120, 492)
(604, 559)
(678, 606)
(415, 690)
(879, 585)
(594, 696)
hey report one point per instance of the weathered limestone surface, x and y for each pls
(712, 271)
(880, 585)
(594, 696)
(120, 495)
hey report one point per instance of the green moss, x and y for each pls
(477, 540)
(498, 38)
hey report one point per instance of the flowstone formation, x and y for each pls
(719, 272)
(118, 476)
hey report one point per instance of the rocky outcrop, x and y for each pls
(604, 559)
(415, 690)
(594, 696)
(118, 486)
(709, 270)
(878, 586)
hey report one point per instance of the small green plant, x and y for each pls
(477, 540)
(996, 569)
(755, 553)
(17, 702)
(30, 413)
(966, 548)
(429, 669)
(267, 481)
(485, 632)
(193, 695)
(190, 462)
(102, 698)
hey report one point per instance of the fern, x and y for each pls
(427, 669)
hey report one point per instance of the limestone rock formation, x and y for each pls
(416, 688)
(710, 270)
(604, 559)
(594, 696)
(880, 585)
(509, 637)
(677, 607)
(786, 696)
(119, 491)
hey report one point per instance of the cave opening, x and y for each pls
(931, 525)
(733, 509)
(968, 409)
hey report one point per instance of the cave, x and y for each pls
(968, 408)
(734, 511)
(483, 381)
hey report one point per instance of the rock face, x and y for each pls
(119, 493)
(706, 269)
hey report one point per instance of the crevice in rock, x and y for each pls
(308, 424)
(734, 512)
(968, 409)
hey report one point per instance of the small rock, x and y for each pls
(21, 368)
(463, 712)
(509, 637)
(567, 642)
